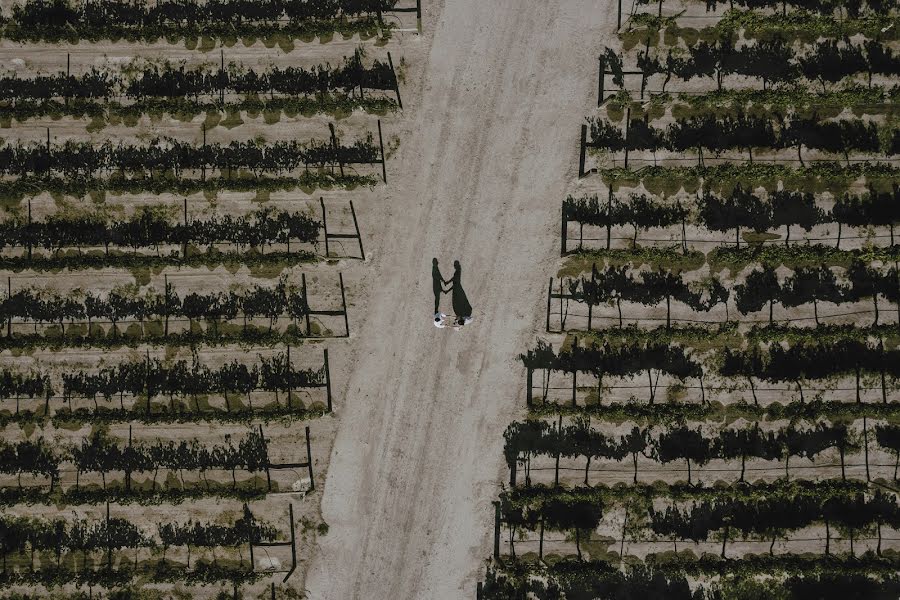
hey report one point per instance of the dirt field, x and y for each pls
(488, 149)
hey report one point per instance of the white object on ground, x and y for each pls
(304, 484)
(268, 563)
(439, 320)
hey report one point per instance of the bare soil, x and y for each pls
(484, 160)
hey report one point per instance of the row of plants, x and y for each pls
(236, 412)
(153, 333)
(200, 574)
(779, 514)
(167, 81)
(772, 63)
(677, 410)
(38, 306)
(814, 361)
(739, 209)
(271, 108)
(74, 159)
(152, 378)
(725, 258)
(761, 289)
(818, 177)
(100, 453)
(852, 8)
(66, 539)
(240, 180)
(152, 226)
(149, 22)
(715, 135)
(209, 257)
(749, 24)
(536, 437)
(600, 580)
(861, 100)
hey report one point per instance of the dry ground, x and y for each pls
(488, 148)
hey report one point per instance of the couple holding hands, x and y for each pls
(461, 306)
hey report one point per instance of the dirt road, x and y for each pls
(489, 148)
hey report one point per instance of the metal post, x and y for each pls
(166, 305)
(396, 83)
(293, 543)
(305, 299)
(582, 152)
(334, 144)
(324, 224)
(496, 529)
(529, 392)
(419, 16)
(619, 17)
(185, 249)
(549, 298)
(309, 465)
(362, 252)
(222, 78)
(327, 381)
(627, 126)
(381, 144)
(563, 232)
(266, 446)
(344, 304)
(601, 83)
(289, 374)
(30, 244)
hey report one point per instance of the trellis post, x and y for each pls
(184, 250)
(312, 482)
(601, 81)
(362, 252)
(293, 543)
(574, 377)
(549, 298)
(396, 83)
(419, 16)
(327, 381)
(334, 144)
(582, 151)
(563, 232)
(627, 127)
(305, 299)
(496, 529)
(529, 393)
(324, 224)
(268, 462)
(344, 305)
(381, 145)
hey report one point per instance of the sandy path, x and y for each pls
(488, 150)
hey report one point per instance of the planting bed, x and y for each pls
(712, 411)
(184, 199)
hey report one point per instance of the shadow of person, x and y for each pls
(437, 284)
(461, 307)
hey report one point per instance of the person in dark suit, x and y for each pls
(437, 285)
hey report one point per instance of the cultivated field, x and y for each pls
(712, 407)
(189, 196)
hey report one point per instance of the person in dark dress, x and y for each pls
(461, 306)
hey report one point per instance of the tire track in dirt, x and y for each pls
(489, 148)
